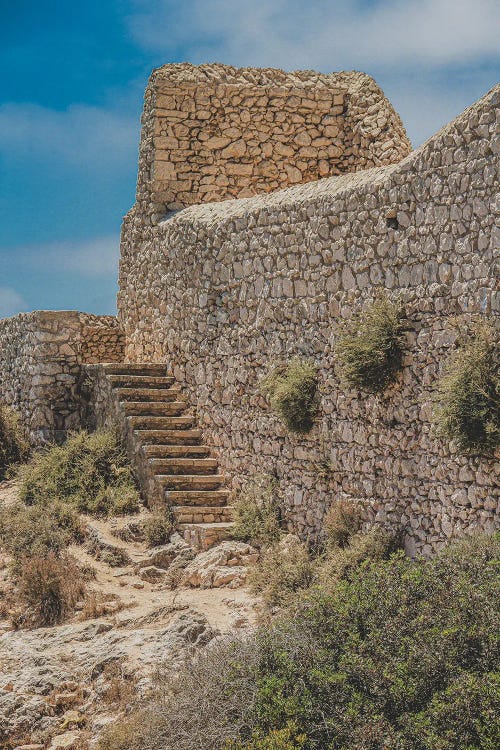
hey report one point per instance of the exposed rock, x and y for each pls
(152, 573)
(224, 565)
(162, 557)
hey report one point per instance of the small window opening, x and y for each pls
(392, 222)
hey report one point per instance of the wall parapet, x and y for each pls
(213, 132)
(41, 354)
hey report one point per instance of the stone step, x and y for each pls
(198, 497)
(202, 514)
(161, 423)
(153, 408)
(140, 381)
(190, 481)
(134, 368)
(183, 465)
(176, 451)
(202, 536)
(168, 437)
(149, 394)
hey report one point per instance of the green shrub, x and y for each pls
(48, 588)
(342, 521)
(399, 655)
(256, 513)
(370, 346)
(158, 528)
(282, 569)
(13, 445)
(367, 665)
(277, 739)
(90, 471)
(468, 395)
(340, 563)
(291, 390)
(36, 531)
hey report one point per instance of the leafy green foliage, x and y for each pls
(370, 346)
(90, 471)
(468, 395)
(256, 514)
(375, 662)
(291, 390)
(397, 655)
(13, 445)
(38, 530)
(277, 739)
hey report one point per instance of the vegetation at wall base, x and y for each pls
(13, 444)
(468, 394)
(370, 346)
(291, 390)
(90, 471)
(397, 655)
(158, 528)
(256, 513)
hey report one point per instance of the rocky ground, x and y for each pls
(59, 686)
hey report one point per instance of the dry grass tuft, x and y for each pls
(48, 589)
(256, 513)
(13, 444)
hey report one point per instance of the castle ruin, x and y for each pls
(269, 207)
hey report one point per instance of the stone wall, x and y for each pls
(212, 132)
(41, 354)
(223, 291)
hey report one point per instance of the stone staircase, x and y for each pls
(173, 464)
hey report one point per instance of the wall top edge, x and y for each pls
(218, 73)
(60, 315)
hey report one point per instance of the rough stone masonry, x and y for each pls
(270, 206)
(223, 291)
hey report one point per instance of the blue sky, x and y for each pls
(72, 77)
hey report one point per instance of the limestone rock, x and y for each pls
(223, 565)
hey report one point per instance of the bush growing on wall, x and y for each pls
(468, 395)
(370, 346)
(13, 446)
(291, 390)
(90, 471)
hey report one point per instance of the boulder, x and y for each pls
(223, 565)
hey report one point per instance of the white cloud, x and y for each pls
(96, 257)
(323, 34)
(79, 137)
(11, 302)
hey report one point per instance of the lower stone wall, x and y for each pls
(41, 354)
